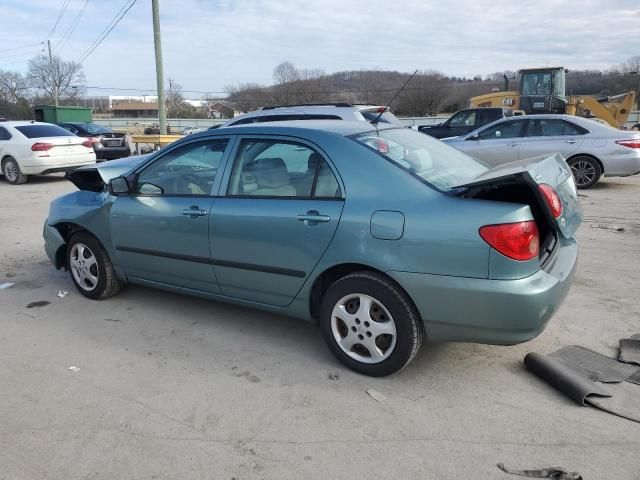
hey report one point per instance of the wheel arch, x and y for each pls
(575, 155)
(330, 275)
(66, 231)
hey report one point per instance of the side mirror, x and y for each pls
(475, 137)
(119, 185)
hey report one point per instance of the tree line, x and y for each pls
(429, 92)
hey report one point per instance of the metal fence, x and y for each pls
(178, 124)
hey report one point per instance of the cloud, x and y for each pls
(212, 43)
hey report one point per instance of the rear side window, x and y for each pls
(386, 117)
(553, 128)
(4, 134)
(39, 131)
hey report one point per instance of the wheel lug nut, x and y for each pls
(366, 324)
(357, 321)
(369, 334)
(360, 337)
(354, 329)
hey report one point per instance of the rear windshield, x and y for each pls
(423, 156)
(386, 117)
(39, 131)
(94, 128)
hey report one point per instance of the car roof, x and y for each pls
(20, 123)
(339, 127)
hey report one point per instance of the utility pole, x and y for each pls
(54, 77)
(162, 114)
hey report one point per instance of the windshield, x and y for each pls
(94, 128)
(536, 83)
(423, 156)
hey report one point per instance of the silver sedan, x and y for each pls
(592, 149)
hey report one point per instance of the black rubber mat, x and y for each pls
(599, 367)
(630, 350)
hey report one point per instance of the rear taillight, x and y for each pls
(630, 143)
(552, 199)
(89, 142)
(519, 241)
(42, 147)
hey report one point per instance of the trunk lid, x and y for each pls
(65, 149)
(548, 169)
(95, 177)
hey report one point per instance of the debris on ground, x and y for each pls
(113, 320)
(334, 376)
(6, 285)
(62, 293)
(630, 350)
(606, 226)
(376, 395)
(74, 369)
(557, 473)
(10, 274)
(38, 304)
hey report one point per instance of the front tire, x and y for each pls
(370, 324)
(90, 267)
(11, 171)
(586, 171)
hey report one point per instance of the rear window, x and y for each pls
(386, 117)
(39, 131)
(423, 156)
(285, 117)
(94, 128)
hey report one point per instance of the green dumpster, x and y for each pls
(53, 114)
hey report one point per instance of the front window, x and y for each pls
(502, 130)
(466, 118)
(536, 83)
(423, 156)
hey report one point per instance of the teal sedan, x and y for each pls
(384, 236)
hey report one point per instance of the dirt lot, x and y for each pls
(176, 387)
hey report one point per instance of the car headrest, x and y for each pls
(271, 173)
(420, 160)
(314, 160)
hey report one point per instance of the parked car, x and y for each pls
(28, 148)
(382, 235)
(107, 144)
(190, 130)
(330, 111)
(465, 121)
(592, 148)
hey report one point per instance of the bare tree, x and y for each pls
(249, 96)
(13, 87)
(55, 79)
(424, 95)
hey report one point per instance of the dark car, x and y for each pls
(465, 121)
(107, 144)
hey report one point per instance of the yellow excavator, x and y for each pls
(543, 90)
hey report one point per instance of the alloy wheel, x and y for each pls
(363, 328)
(583, 172)
(11, 170)
(84, 266)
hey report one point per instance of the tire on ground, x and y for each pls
(408, 324)
(20, 177)
(591, 164)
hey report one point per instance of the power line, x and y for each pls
(72, 27)
(65, 4)
(122, 12)
(22, 54)
(21, 47)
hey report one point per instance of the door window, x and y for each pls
(188, 170)
(466, 118)
(279, 168)
(502, 130)
(553, 128)
(4, 134)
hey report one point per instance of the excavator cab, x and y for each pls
(542, 90)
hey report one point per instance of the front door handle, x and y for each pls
(312, 216)
(194, 211)
(514, 144)
(571, 141)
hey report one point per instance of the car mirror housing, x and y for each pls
(474, 137)
(118, 185)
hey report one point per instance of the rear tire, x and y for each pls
(370, 324)
(586, 171)
(11, 171)
(90, 267)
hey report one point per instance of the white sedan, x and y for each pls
(28, 148)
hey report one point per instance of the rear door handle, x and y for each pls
(514, 144)
(312, 216)
(194, 211)
(571, 141)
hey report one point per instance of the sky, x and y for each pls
(210, 44)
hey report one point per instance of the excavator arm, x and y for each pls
(613, 110)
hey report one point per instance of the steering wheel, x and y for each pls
(183, 183)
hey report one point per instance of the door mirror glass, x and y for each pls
(118, 186)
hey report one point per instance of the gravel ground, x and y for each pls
(168, 386)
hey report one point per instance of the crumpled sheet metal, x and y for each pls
(556, 473)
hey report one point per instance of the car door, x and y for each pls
(275, 218)
(496, 144)
(550, 135)
(160, 231)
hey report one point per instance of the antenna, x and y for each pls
(394, 97)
